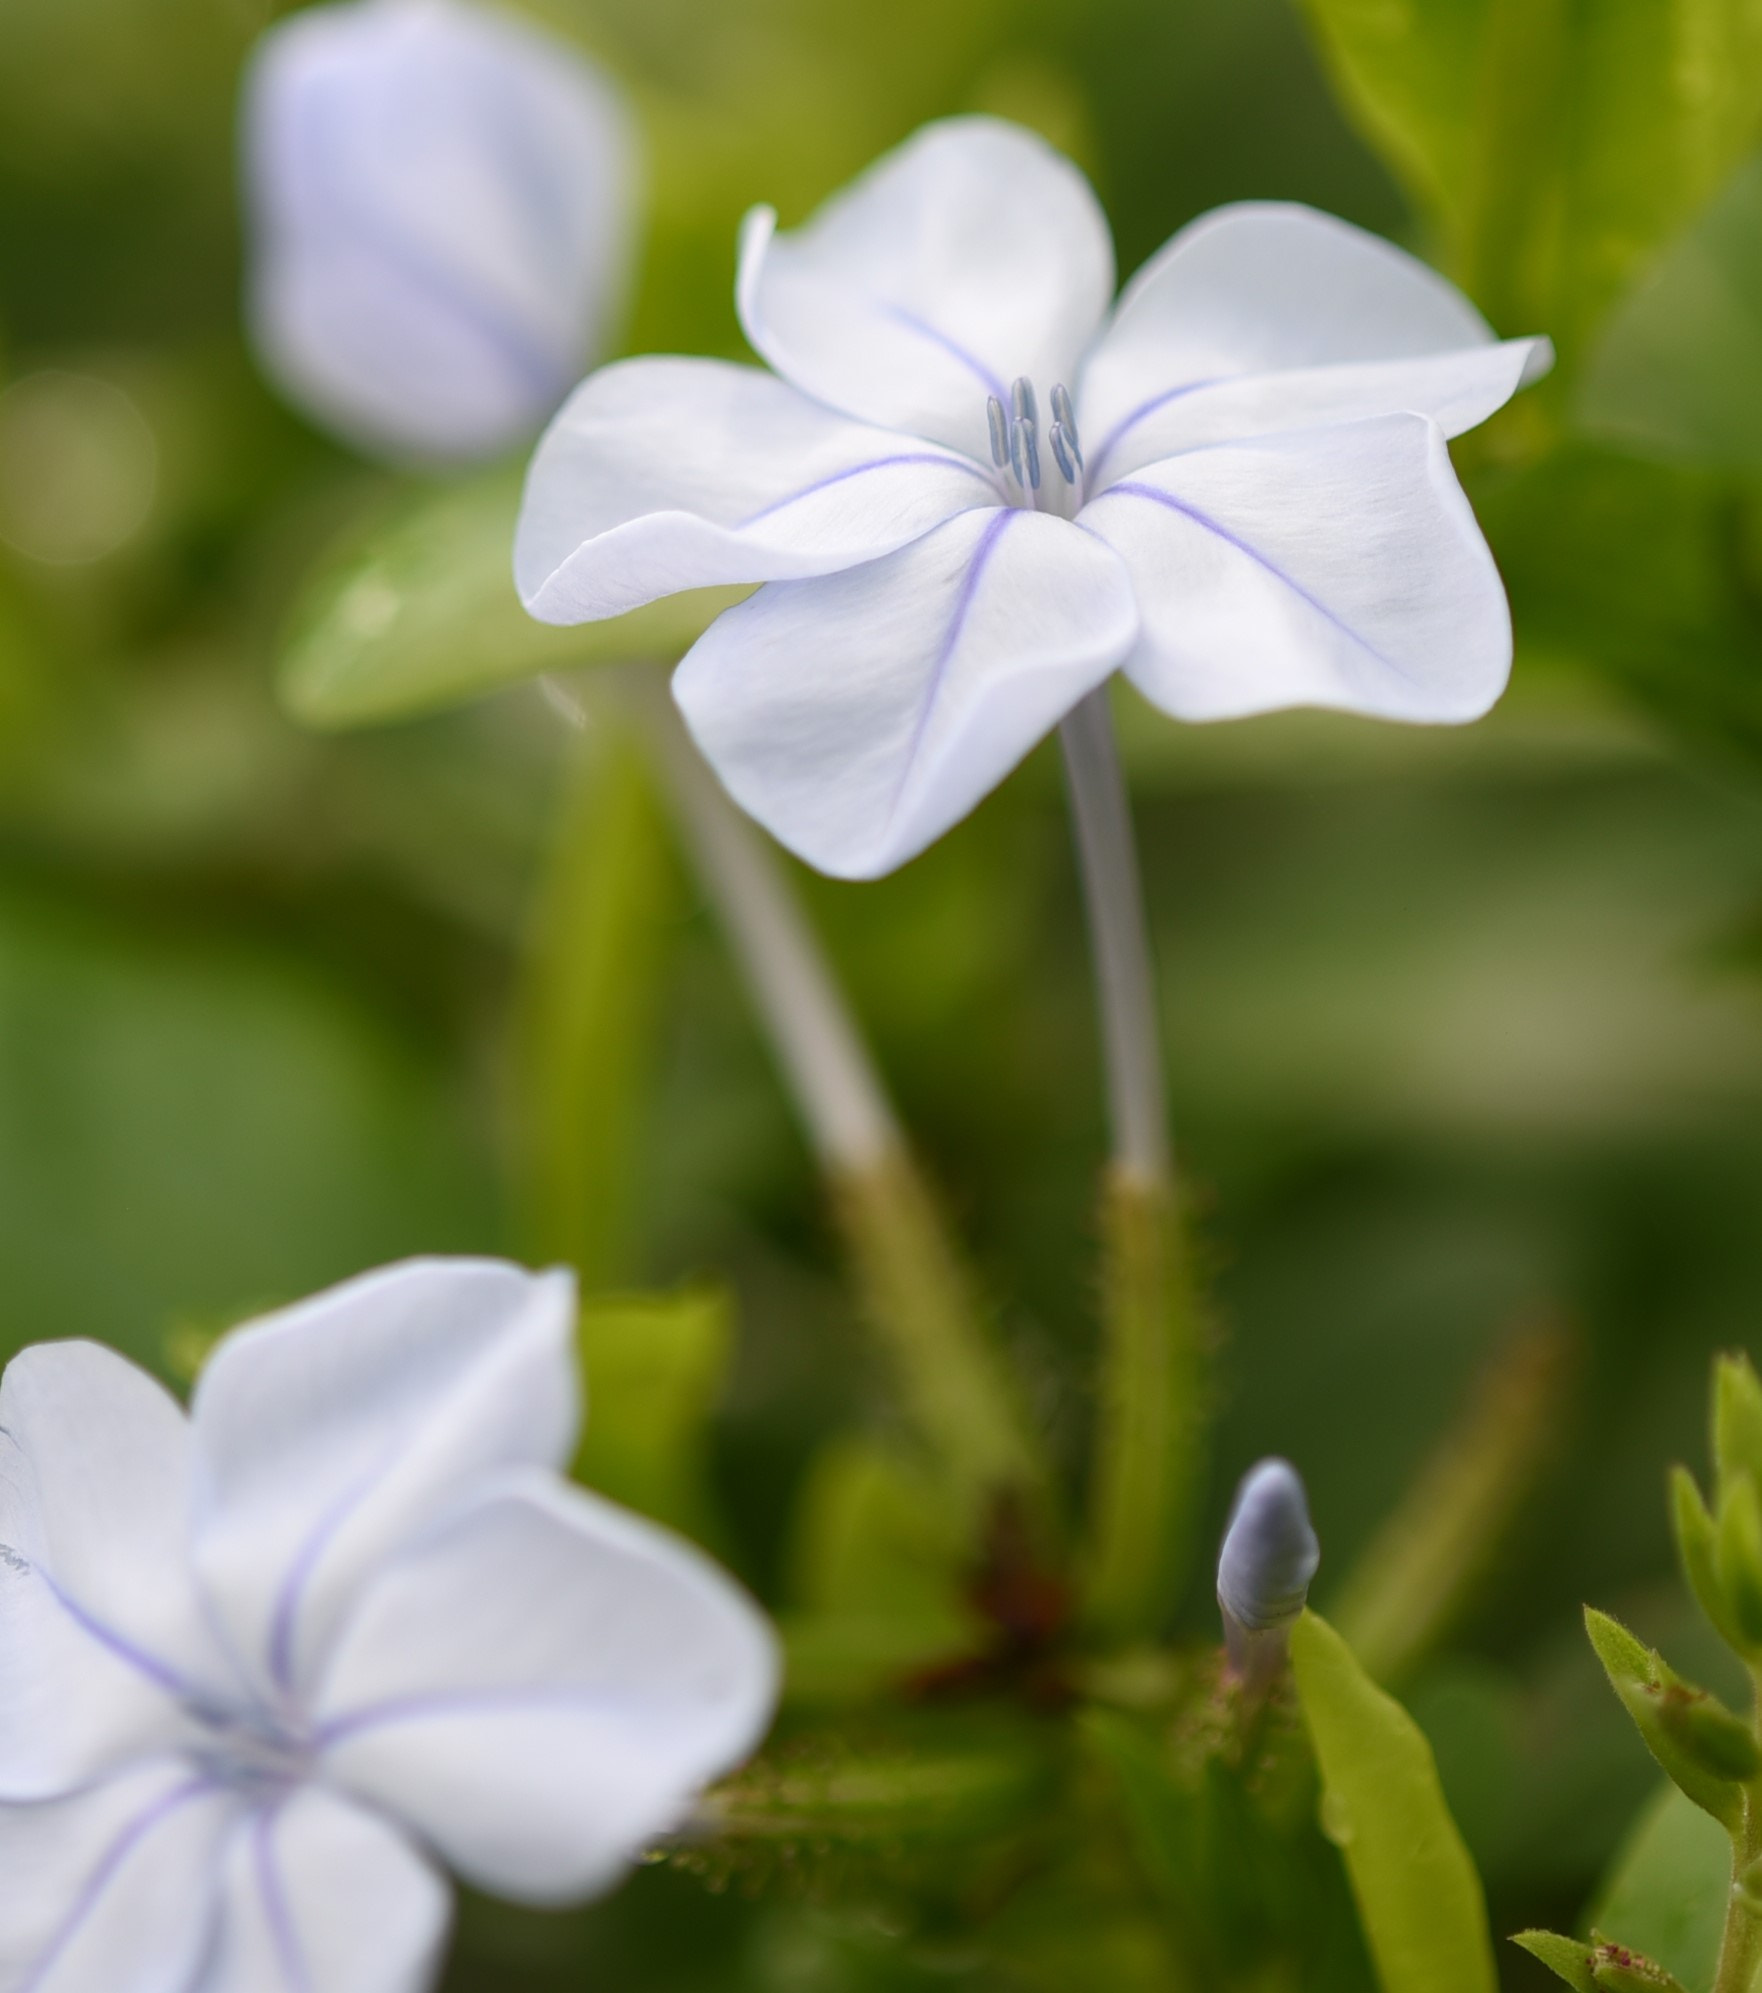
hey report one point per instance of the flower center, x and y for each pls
(249, 1749)
(1055, 486)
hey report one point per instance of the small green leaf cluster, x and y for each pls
(1711, 1754)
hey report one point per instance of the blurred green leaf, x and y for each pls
(1423, 1908)
(1554, 146)
(655, 1366)
(421, 613)
(1666, 1892)
(590, 1013)
(1678, 370)
(878, 1571)
(191, 1129)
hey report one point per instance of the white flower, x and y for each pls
(262, 1667)
(440, 200)
(975, 494)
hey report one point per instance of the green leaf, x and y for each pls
(197, 1126)
(1566, 1958)
(1400, 66)
(1666, 1890)
(1699, 1743)
(590, 1013)
(1554, 146)
(1424, 1912)
(1678, 369)
(655, 1367)
(1739, 1525)
(878, 1571)
(423, 614)
(1697, 1543)
(1737, 1418)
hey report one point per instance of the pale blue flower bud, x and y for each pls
(1269, 1557)
(441, 200)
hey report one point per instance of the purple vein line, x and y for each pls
(1141, 413)
(109, 1866)
(275, 1903)
(1205, 520)
(159, 1672)
(957, 623)
(859, 470)
(952, 347)
(285, 1623)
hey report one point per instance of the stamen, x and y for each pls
(1069, 463)
(999, 432)
(1022, 401)
(1066, 417)
(1024, 452)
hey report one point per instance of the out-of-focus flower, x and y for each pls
(975, 493)
(259, 1665)
(441, 203)
(1269, 1559)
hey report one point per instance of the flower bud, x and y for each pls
(1269, 1556)
(440, 201)
(1707, 1750)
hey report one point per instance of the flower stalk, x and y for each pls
(920, 1297)
(1148, 1430)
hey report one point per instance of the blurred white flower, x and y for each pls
(261, 1666)
(975, 493)
(441, 217)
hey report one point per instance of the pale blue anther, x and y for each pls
(1022, 402)
(999, 421)
(1069, 463)
(1024, 452)
(1066, 418)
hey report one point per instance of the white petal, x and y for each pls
(102, 1633)
(542, 1685)
(318, 1896)
(971, 254)
(113, 1889)
(441, 203)
(1334, 567)
(1457, 390)
(859, 716)
(666, 474)
(327, 1434)
(1265, 287)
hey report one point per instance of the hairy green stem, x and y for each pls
(1148, 1429)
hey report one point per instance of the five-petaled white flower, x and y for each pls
(441, 200)
(975, 494)
(260, 1666)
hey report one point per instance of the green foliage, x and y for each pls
(1667, 1888)
(1737, 1419)
(1424, 1911)
(1699, 1743)
(879, 1566)
(420, 612)
(1554, 146)
(656, 1366)
(590, 1013)
(1678, 369)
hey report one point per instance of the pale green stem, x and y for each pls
(1125, 982)
(1148, 1428)
(924, 1305)
(1740, 1949)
